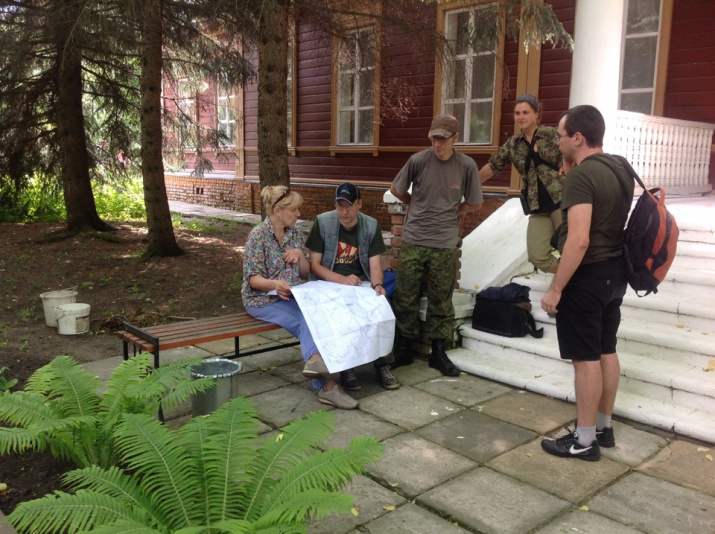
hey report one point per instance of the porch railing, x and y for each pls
(670, 153)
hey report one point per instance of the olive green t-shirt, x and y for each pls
(592, 182)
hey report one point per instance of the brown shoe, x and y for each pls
(315, 369)
(338, 398)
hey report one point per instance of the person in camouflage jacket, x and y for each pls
(535, 155)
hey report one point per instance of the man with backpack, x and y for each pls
(587, 291)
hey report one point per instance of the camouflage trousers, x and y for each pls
(440, 266)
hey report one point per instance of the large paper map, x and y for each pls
(350, 324)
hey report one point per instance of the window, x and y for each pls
(226, 115)
(187, 112)
(640, 55)
(469, 71)
(356, 88)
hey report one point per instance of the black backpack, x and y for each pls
(651, 236)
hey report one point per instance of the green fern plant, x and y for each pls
(6, 384)
(213, 475)
(64, 408)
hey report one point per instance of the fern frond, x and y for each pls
(22, 408)
(66, 382)
(63, 512)
(329, 470)
(278, 456)
(238, 526)
(126, 375)
(19, 440)
(166, 471)
(126, 527)
(115, 483)
(311, 505)
(227, 452)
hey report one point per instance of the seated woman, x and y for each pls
(274, 260)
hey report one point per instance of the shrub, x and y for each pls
(213, 475)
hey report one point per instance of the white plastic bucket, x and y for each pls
(73, 319)
(52, 299)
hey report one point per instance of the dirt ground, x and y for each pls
(119, 285)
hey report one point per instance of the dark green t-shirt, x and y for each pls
(592, 182)
(347, 260)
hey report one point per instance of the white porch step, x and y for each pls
(696, 422)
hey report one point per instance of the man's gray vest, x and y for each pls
(329, 226)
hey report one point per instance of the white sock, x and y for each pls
(586, 435)
(603, 421)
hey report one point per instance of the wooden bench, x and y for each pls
(154, 339)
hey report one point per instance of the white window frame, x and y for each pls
(446, 104)
(652, 88)
(226, 113)
(356, 107)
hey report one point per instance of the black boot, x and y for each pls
(439, 359)
(402, 352)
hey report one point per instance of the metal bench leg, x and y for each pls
(235, 346)
(126, 350)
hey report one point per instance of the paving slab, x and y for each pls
(585, 522)
(656, 506)
(275, 358)
(183, 353)
(633, 446)
(686, 464)
(410, 519)
(408, 407)
(227, 346)
(415, 373)
(491, 503)
(279, 335)
(370, 501)
(411, 465)
(292, 372)
(568, 478)
(530, 410)
(349, 424)
(467, 390)
(257, 382)
(476, 436)
(284, 405)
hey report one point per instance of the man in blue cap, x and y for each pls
(345, 247)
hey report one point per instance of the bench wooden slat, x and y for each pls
(199, 331)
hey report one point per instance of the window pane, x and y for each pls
(480, 123)
(639, 62)
(366, 46)
(367, 88)
(365, 127)
(347, 90)
(347, 123)
(638, 102)
(455, 76)
(483, 76)
(458, 111)
(643, 16)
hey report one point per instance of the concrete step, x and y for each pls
(660, 378)
(680, 304)
(690, 420)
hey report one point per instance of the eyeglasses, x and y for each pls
(283, 195)
(340, 207)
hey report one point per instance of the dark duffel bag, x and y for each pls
(505, 311)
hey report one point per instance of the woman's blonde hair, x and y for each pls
(279, 196)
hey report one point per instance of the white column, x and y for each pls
(598, 33)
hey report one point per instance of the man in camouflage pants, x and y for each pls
(440, 178)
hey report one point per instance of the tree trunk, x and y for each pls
(162, 241)
(272, 98)
(74, 160)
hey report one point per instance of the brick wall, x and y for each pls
(244, 197)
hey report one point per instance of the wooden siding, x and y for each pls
(690, 84)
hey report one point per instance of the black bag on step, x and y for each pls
(505, 311)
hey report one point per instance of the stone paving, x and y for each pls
(463, 455)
